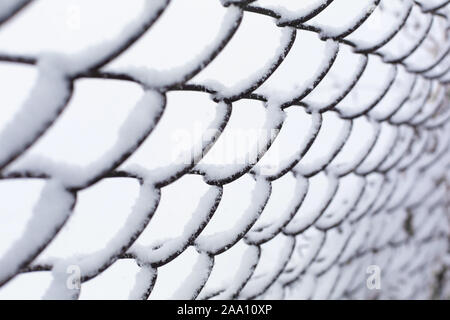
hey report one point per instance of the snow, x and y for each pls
(286, 152)
(333, 134)
(70, 27)
(157, 244)
(302, 290)
(348, 195)
(20, 206)
(340, 17)
(92, 263)
(430, 5)
(134, 129)
(255, 64)
(224, 239)
(307, 246)
(274, 257)
(46, 100)
(166, 77)
(85, 233)
(405, 42)
(123, 274)
(49, 215)
(325, 284)
(8, 7)
(290, 10)
(19, 79)
(264, 150)
(195, 281)
(285, 86)
(341, 78)
(284, 202)
(197, 127)
(35, 282)
(428, 55)
(384, 145)
(414, 152)
(359, 144)
(314, 204)
(406, 135)
(396, 97)
(232, 269)
(243, 142)
(335, 241)
(184, 277)
(98, 55)
(91, 100)
(383, 24)
(412, 107)
(374, 184)
(367, 92)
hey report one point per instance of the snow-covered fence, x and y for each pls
(345, 194)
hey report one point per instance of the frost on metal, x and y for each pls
(114, 173)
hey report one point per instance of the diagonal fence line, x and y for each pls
(287, 275)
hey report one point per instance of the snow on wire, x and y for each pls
(372, 190)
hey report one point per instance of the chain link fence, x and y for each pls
(345, 193)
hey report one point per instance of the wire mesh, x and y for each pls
(387, 205)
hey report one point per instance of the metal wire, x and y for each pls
(335, 265)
